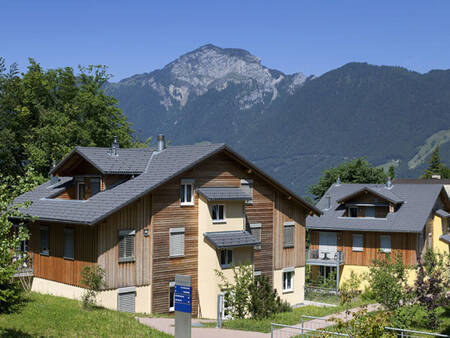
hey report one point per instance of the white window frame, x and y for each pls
(69, 230)
(215, 221)
(172, 286)
(358, 248)
(177, 231)
(385, 249)
(185, 182)
(228, 263)
(350, 212)
(288, 272)
(123, 234)
(45, 252)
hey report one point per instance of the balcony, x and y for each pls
(26, 268)
(316, 257)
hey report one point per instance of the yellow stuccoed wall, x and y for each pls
(107, 299)
(438, 230)
(362, 271)
(298, 294)
(208, 259)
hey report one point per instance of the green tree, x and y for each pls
(391, 171)
(435, 166)
(11, 235)
(356, 171)
(45, 113)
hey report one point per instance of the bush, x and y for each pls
(92, 278)
(387, 279)
(11, 296)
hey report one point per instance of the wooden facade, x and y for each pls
(403, 243)
(159, 211)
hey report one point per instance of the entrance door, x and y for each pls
(327, 244)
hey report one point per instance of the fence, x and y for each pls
(287, 331)
(319, 327)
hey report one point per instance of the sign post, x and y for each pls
(183, 306)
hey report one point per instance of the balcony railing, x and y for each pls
(317, 257)
(26, 268)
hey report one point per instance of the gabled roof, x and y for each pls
(231, 239)
(129, 160)
(224, 194)
(411, 216)
(382, 192)
(160, 168)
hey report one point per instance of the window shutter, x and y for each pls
(126, 245)
(255, 230)
(176, 242)
(288, 235)
(358, 242)
(69, 250)
(126, 301)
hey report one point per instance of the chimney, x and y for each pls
(328, 197)
(389, 183)
(436, 176)
(53, 179)
(338, 181)
(114, 147)
(161, 142)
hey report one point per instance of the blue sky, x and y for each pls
(308, 36)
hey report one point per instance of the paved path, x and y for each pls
(167, 325)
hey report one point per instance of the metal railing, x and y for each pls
(317, 256)
(404, 333)
(288, 331)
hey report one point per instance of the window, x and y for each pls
(45, 241)
(218, 213)
(126, 245)
(176, 242)
(385, 243)
(353, 212)
(288, 282)
(255, 230)
(247, 186)
(95, 186)
(358, 242)
(288, 241)
(80, 190)
(226, 258)
(171, 296)
(126, 299)
(69, 250)
(326, 272)
(370, 211)
(187, 192)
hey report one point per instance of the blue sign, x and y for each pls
(183, 298)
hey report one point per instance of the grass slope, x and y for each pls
(45, 315)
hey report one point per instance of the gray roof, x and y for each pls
(383, 192)
(231, 239)
(224, 194)
(442, 213)
(411, 216)
(445, 238)
(128, 161)
(160, 168)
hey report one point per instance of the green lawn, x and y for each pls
(45, 315)
(286, 318)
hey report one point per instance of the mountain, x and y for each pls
(293, 126)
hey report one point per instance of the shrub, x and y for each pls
(92, 278)
(366, 325)
(387, 279)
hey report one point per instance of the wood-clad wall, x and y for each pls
(288, 211)
(55, 267)
(167, 213)
(404, 243)
(136, 216)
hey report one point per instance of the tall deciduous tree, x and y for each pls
(45, 113)
(356, 171)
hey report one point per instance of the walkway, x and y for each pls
(167, 325)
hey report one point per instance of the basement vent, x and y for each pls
(126, 299)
